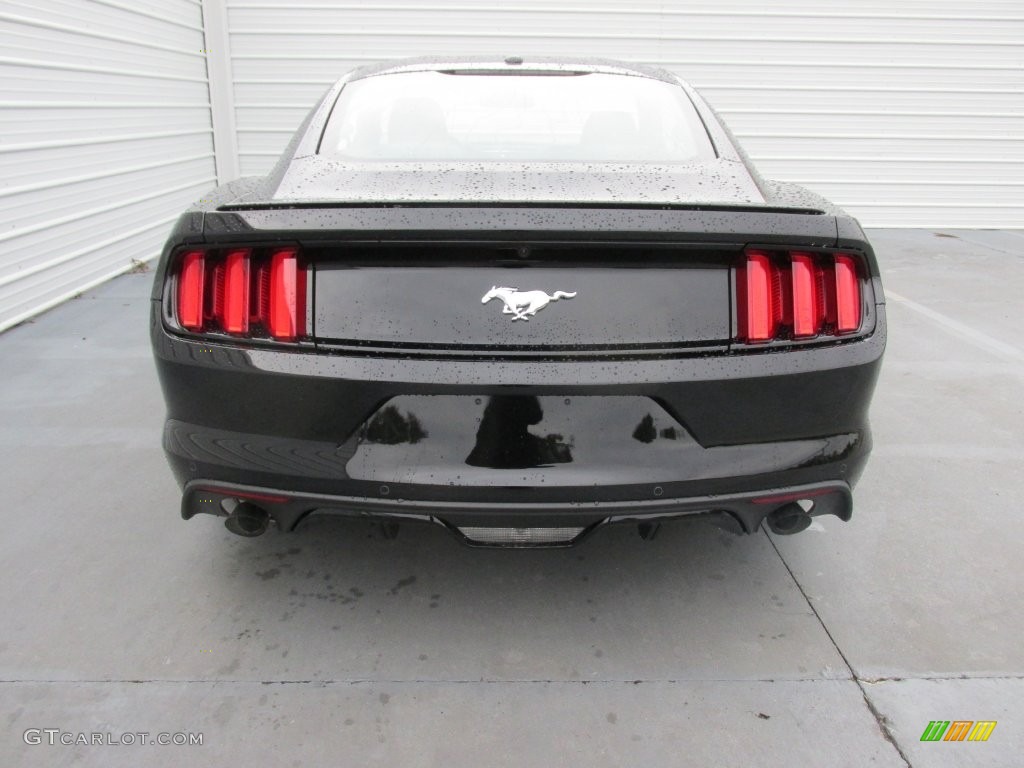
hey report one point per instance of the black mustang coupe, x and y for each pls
(520, 299)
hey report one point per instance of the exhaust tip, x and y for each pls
(789, 519)
(247, 519)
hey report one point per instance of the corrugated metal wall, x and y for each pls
(105, 137)
(907, 112)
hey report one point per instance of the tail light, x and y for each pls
(847, 294)
(760, 282)
(191, 282)
(242, 292)
(806, 303)
(236, 291)
(797, 295)
(286, 306)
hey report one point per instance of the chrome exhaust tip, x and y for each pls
(248, 520)
(788, 519)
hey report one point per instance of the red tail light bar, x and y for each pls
(251, 292)
(797, 295)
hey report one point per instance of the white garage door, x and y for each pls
(105, 137)
(907, 112)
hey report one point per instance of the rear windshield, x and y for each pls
(436, 116)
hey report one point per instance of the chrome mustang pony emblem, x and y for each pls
(523, 305)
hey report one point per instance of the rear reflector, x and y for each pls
(797, 295)
(236, 494)
(242, 292)
(778, 499)
(190, 290)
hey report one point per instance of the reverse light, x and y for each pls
(797, 295)
(242, 292)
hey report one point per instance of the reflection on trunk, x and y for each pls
(504, 441)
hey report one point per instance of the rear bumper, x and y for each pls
(286, 425)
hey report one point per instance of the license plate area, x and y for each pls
(520, 440)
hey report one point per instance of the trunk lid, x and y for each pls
(528, 298)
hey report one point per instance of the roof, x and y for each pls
(512, 64)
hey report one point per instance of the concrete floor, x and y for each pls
(832, 648)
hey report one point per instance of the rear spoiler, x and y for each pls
(706, 207)
(566, 223)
